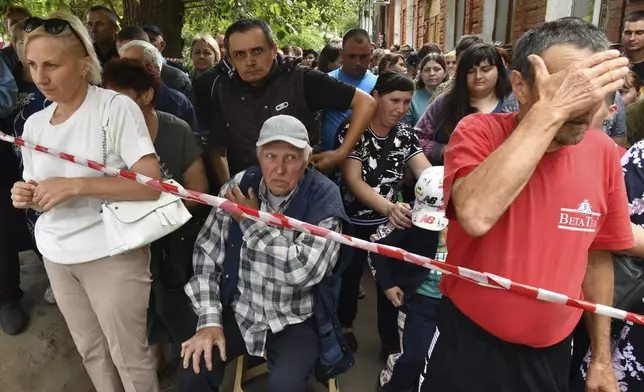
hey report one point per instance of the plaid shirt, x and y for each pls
(279, 269)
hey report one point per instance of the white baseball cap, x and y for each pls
(429, 211)
(283, 128)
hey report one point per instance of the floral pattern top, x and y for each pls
(368, 150)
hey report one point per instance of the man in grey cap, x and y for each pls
(254, 283)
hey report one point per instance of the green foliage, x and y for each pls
(287, 18)
(44, 7)
(306, 39)
(296, 22)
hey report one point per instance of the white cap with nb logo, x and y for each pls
(429, 211)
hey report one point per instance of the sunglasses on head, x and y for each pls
(52, 26)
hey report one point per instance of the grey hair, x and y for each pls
(567, 30)
(307, 151)
(151, 55)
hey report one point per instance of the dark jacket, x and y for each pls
(205, 87)
(175, 79)
(174, 102)
(10, 57)
(317, 198)
(390, 272)
(246, 108)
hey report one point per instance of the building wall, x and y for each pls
(474, 16)
(443, 29)
(390, 22)
(403, 23)
(528, 13)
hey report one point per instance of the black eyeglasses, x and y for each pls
(52, 26)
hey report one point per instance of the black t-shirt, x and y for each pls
(320, 91)
(176, 147)
(638, 68)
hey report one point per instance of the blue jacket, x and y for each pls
(8, 90)
(174, 102)
(316, 199)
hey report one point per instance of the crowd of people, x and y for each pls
(530, 161)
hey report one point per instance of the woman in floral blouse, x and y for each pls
(371, 175)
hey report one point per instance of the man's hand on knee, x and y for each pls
(202, 342)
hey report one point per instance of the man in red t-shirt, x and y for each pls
(539, 198)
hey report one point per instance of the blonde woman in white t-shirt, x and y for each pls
(104, 299)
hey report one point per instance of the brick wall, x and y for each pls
(474, 16)
(441, 31)
(421, 24)
(528, 13)
(390, 22)
(403, 23)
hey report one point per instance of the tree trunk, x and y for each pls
(167, 14)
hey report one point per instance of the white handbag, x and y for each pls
(133, 224)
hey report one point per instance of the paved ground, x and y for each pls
(44, 359)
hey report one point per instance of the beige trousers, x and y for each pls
(105, 304)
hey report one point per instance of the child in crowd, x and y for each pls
(631, 89)
(411, 288)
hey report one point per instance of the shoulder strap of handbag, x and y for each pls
(105, 121)
(384, 153)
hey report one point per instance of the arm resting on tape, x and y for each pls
(118, 189)
(352, 174)
(483, 196)
(301, 263)
(208, 260)
(598, 288)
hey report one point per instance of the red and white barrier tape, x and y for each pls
(480, 278)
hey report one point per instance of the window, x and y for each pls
(460, 20)
(593, 11)
(502, 21)
(498, 20)
(450, 31)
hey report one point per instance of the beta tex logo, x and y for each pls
(581, 219)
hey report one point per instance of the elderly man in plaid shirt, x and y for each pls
(253, 287)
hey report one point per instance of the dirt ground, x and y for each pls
(44, 358)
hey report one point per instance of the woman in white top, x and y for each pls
(103, 299)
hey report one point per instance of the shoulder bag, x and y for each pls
(133, 224)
